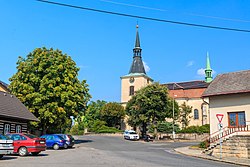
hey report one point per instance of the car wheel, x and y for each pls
(22, 151)
(1, 156)
(35, 153)
(65, 146)
(56, 147)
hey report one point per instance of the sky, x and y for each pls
(102, 44)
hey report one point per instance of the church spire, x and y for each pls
(208, 71)
(137, 65)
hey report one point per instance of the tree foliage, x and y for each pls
(150, 105)
(47, 84)
(185, 111)
(112, 113)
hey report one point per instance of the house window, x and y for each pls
(196, 114)
(131, 90)
(18, 129)
(236, 119)
(6, 128)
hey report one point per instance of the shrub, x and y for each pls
(106, 129)
(204, 144)
(165, 127)
(75, 130)
(196, 129)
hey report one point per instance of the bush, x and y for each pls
(75, 130)
(106, 129)
(165, 127)
(204, 144)
(196, 129)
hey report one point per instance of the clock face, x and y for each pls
(131, 80)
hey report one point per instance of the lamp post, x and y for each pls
(173, 112)
(173, 117)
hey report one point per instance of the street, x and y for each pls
(111, 151)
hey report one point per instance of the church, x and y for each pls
(189, 92)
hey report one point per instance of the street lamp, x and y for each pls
(173, 117)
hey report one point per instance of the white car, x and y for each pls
(130, 135)
(6, 146)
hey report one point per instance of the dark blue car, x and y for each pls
(55, 141)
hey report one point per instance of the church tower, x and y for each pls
(208, 71)
(137, 77)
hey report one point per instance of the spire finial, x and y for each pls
(137, 40)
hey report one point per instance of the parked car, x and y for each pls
(27, 143)
(55, 141)
(130, 135)
(69, 139)
(6, 146)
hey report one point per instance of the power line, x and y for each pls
(145, 18)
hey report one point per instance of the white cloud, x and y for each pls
(190, 63)
(147, 69)
(201, 72)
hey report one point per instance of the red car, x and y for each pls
(27, 143)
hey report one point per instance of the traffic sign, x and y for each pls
(219, 117)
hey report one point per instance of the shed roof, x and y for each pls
(11, 107)
(229, 83)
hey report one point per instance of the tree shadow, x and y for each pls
(82, 141)
(7, 157)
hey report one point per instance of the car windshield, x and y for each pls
(133, 133)
(31, 136)
(2, 137)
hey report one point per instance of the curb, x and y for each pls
(213, 159)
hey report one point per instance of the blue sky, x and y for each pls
(101, 44)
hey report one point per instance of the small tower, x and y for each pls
(137, 77)
(208, 71)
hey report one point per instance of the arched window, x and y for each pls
(6, 128)
(18, 129)
(131, 90)
(196, 114)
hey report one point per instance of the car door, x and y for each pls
(49, 140)
(17, 138)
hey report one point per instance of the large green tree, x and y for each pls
(112, 113)
(150, 105)
(47, 84)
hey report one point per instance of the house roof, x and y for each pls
(11, 107)
(4, 85)
(229, 83)
(186, 85)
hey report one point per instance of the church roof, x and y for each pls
(229, 83)
(186, 85)
(11, 107)
(137, 64)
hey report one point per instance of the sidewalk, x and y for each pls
(199, 154)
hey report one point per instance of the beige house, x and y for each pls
(229, 96)
(191, 93)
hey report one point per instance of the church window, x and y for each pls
(131, 90)
(196, 114)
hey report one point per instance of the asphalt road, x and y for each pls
(110, 151)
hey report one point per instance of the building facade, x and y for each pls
(189, 92)
(137, 77)
(229, 96)
(14, 116)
